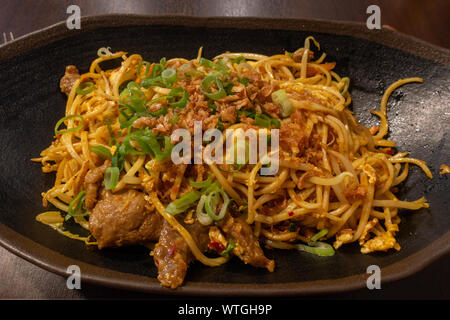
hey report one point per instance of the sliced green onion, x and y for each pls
(244, 81)
(220, 125)
(203, 217)
(147, 69)
(281, 98)
(124, 93)
(207, 63)
(136, 96)
(156, 100)
(206, 85)
(129, 120)
(178, 92)
(231, 245)
(322, 233)
(238, 60)
(212, 202)
(210, 188)
(150, 82)
(85, 88)
(155, 78)
(229, 88)
(111, 177)
(318, 248)
(182, 204)
(74, 211)
(153, 143)
(101, 151)
(169, 76)
(219, 65)
(248, 114)
(118, 158)
(111, 132)
(213, 107)
(200, 184)
(162, 111)
(58, 124)
(175, 118)
(264, 121)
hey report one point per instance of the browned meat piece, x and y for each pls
(172, 254)
(228, 114)
(247, 246)
(272, 109)
(69, 79)
(121, 219)
(354, 194)
(92, 182)
(298, 55)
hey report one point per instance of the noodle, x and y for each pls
(334, 175)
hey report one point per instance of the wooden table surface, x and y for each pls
(425, 19)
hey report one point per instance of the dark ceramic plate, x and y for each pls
(30, 104)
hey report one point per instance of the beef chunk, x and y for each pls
(69, 78)
(121, 219)
(172, 254)
(247, 246)
(92, 182)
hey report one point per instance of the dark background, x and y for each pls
(427, 20)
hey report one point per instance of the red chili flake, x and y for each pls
(374, 130)
(216, 246)
(388, 151)
(291, 213)
(172, 250)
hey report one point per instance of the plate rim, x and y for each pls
(57, 263)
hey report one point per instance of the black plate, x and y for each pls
(31, 103)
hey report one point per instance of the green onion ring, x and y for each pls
(111, 178)
(101, 151)
(203, 217)
(182, 204)
(58, 132)
(210, 206)
(206, 84)
(79, 200)
(85, 88)
(318, 248)
(178, 92)
(322, 233)
(169, 76)
(147, 69)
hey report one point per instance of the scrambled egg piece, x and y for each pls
(369, 226)
(371, 173)
(343, 236)
(216, 236)
(382, 242)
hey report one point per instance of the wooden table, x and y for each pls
(427, 20)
